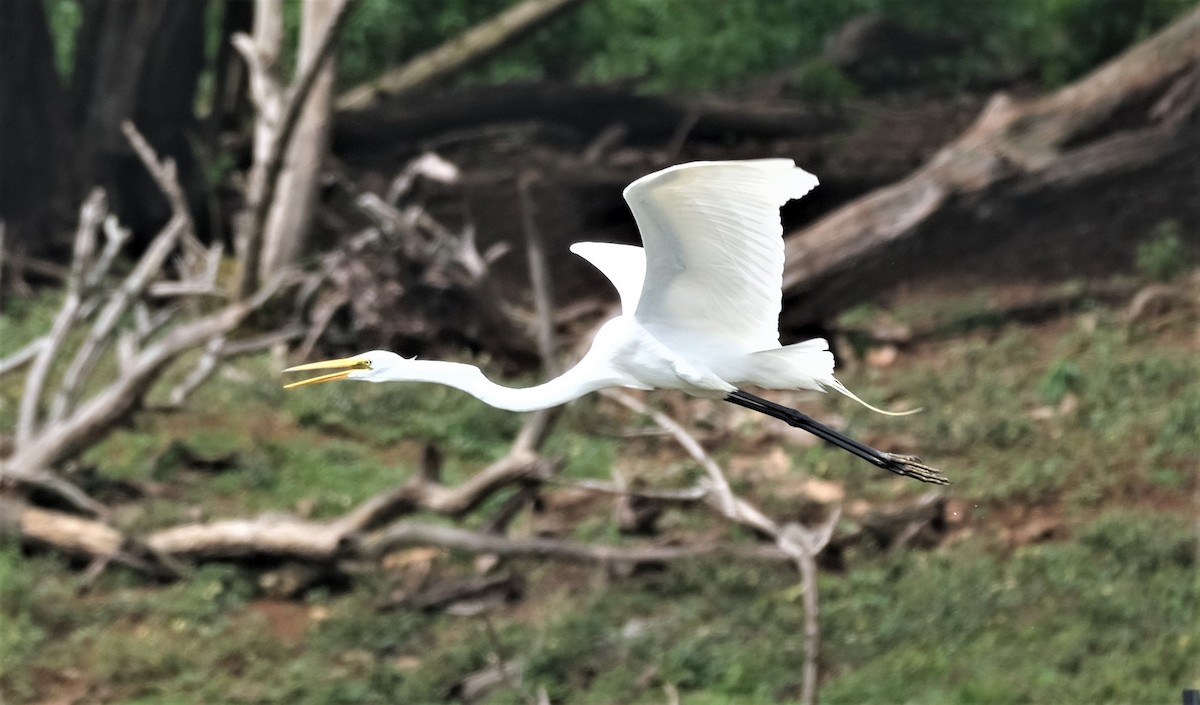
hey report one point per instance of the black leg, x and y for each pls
(907, 465)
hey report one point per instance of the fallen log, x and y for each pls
(362, 533)
(586, 111)
(1016, 165)
(72, 534)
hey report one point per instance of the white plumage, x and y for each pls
(700, 306)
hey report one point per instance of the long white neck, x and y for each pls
(572, 384)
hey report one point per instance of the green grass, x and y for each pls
(1086, 417)
(999, 420)
(1105, 617)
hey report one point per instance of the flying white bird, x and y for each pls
(699, 308)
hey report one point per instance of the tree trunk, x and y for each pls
(136, 60)
(33, 129)
(290, 216)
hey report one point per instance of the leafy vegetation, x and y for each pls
(1084, 418)
(668, 45)
(1164, 256)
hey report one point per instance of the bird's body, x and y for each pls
(700, 306)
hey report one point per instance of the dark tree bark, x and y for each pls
(32, 126)
(136, 60)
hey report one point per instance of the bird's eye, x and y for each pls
(362, 365)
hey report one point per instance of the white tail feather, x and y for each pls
(806, 365)
(835, 384)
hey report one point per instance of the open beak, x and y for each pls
(344, 365)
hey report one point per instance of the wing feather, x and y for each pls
(714, 248)
(624, 265)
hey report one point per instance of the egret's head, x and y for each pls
(373, 366)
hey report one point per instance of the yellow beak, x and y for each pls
(344, 365)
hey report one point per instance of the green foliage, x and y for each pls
(21, 636)
(1164, 256)
(672, 45)
(821, 81)
(675, 44)
(1178, 433)
(1066, 38)
(64, 18)
(1062, 378)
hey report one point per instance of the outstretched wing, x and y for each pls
(714, 248)
(624, 265)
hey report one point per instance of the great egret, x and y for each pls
(700, 308)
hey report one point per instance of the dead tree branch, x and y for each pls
(72, 424)
(22, 357)
(148, 266)
(31, 462)
(406, 534)
(221, 349)
(90, 216)
(461, 52)
(1015, 148)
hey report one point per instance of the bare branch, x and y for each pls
(201, 372)
(51, 482)
(164, 175)
(472, 46)
(264, 87)
(261, 54)
(804, 545)
(205, 284)
(96, 417)
(72, 534)
(91, 214)
(102, 330)
(539, 424)
(219, 349)
(420, 494)
(115, 237)
(686, 495)
(722, 496)
(410, 533)
(539, 275)
(22, 357)
(178, 229)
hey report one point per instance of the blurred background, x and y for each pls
(196, 194)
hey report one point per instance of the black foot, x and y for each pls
(911, 466)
